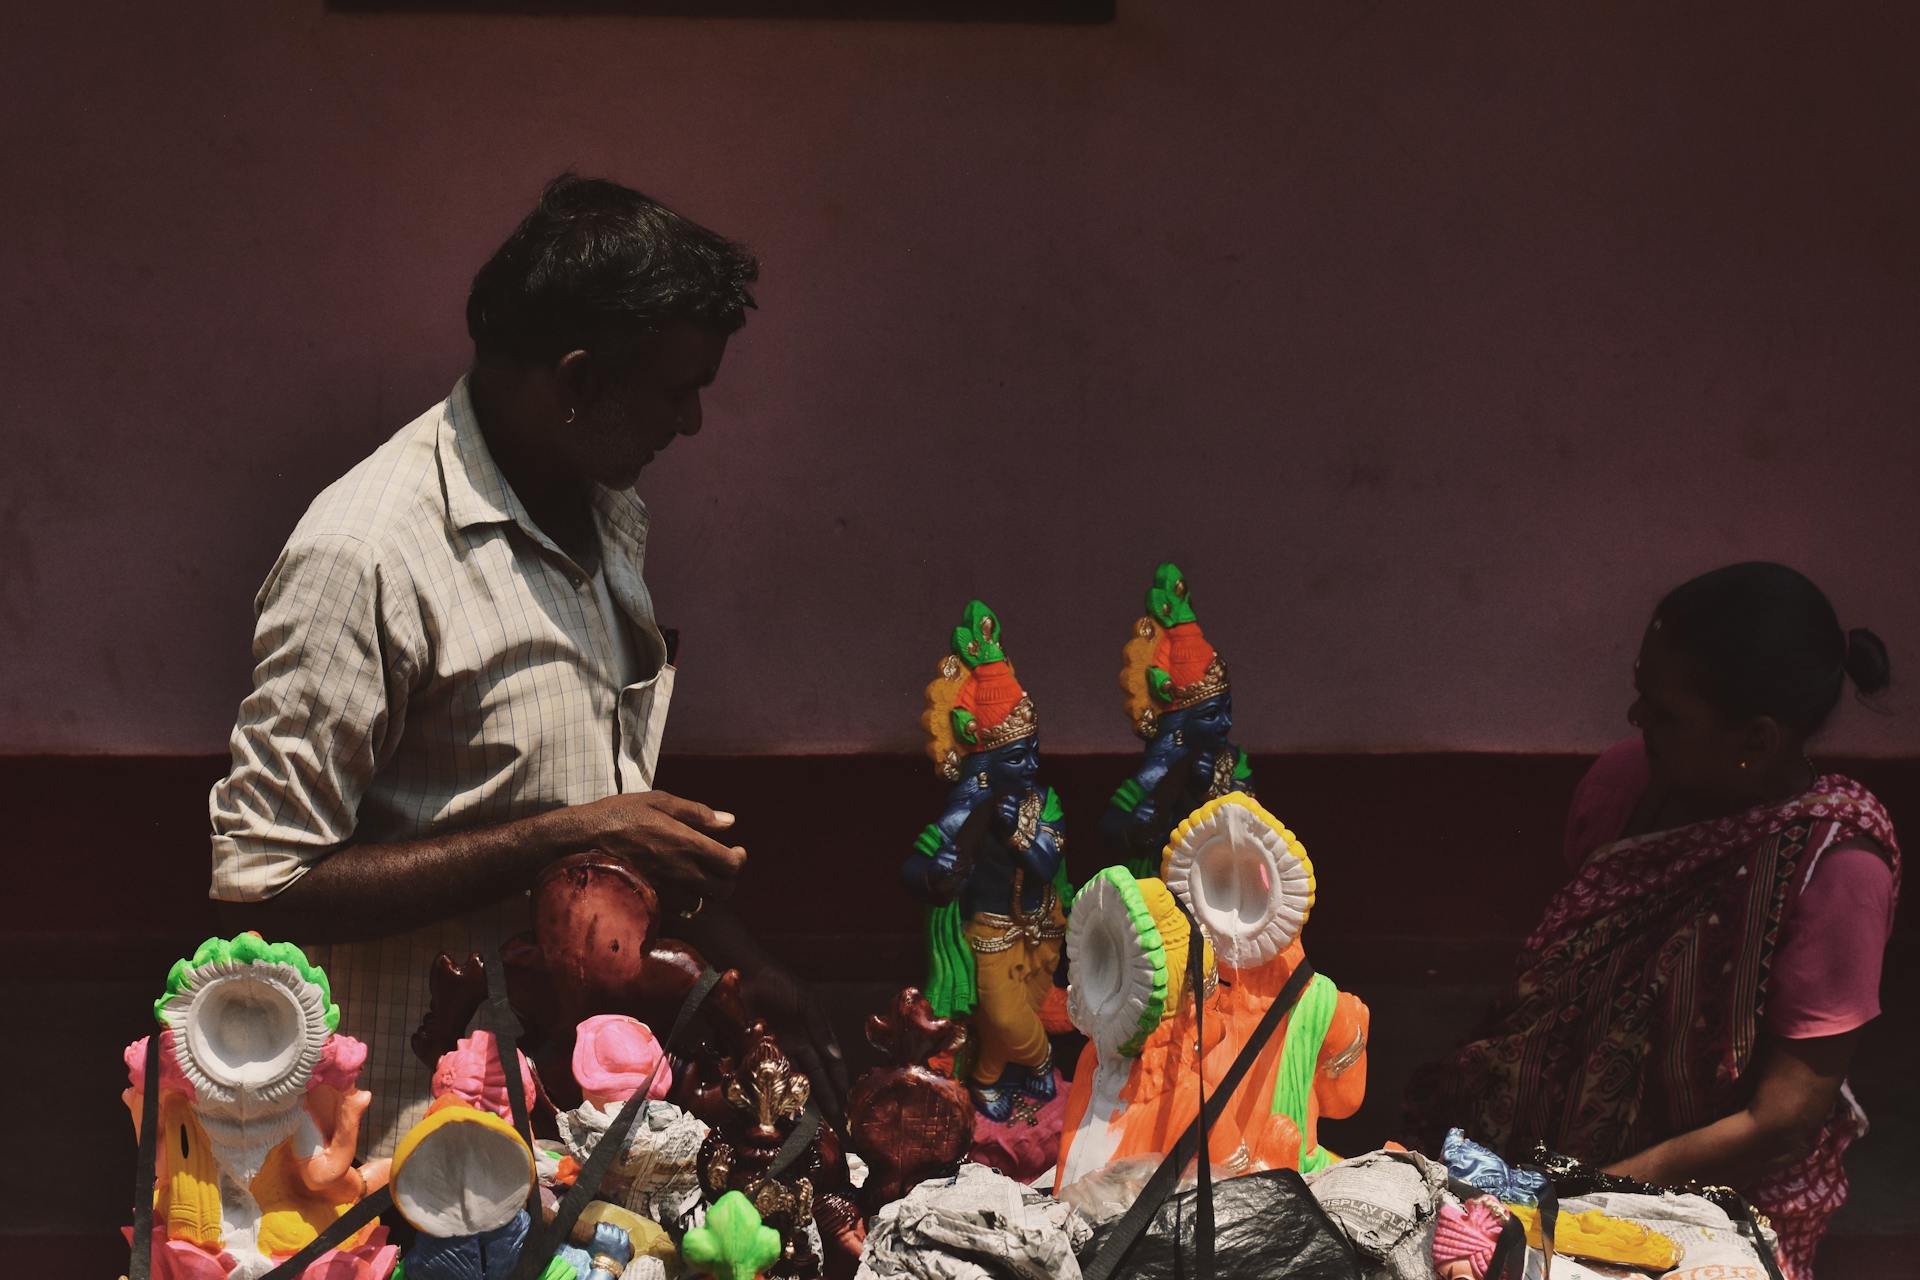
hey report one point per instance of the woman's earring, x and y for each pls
(1743, 764)
(571, 414)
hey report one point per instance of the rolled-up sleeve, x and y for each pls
(328, 702)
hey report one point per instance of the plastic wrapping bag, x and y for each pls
(1387, 1203)
(1267, 1225)
(976, 1225)
(1110, 1191)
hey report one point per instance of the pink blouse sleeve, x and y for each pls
(1605, 799)
(1826, 976)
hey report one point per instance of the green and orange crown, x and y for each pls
(975, 703)
(1168, 664)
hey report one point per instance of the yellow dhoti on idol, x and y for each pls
(1014, 960)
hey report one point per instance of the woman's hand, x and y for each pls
(1796, 1084)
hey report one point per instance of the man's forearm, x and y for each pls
(373, 890)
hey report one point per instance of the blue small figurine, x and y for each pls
(1180, 700)
(605, 1258)
(1469, 1162)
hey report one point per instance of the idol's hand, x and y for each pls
(1135, 801)
(1006, 816)
(669, 839)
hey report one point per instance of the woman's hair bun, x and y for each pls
(1867, 663)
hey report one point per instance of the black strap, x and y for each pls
(542, 1243)
(506, 1035)
(803, 1133)
(337, 1230)
(1113, 1251)
(1203, 1225)
(1549, 1203)
(1510, 1251)
(1509, 1261)
(1760, 1245)
(140, 1264)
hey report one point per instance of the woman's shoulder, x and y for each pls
(1827, 973)
(1861, 820)
(1605, 799)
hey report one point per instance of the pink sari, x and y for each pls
(1641, 995)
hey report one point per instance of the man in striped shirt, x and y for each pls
(458, 675)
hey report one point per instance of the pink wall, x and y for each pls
(1433, 343)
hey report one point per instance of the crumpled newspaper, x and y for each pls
(978, 1225)
(1110, 1190)
(1387, 1203)
(1712, 1246)
(659, 1176)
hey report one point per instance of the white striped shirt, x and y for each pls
(427, 659)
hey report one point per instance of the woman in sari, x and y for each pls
(1688, 1007)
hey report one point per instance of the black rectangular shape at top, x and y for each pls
(1059, 11)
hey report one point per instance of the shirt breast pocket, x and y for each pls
(643, 720)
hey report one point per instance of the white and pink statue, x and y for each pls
(259, 1114)
(657, 1176)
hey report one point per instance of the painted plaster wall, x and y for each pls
(1434, 341)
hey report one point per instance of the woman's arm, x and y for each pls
(1795, 1085)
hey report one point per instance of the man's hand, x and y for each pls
(370, 890)
(669, 839)
(795, 1014)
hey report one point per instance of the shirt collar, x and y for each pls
(478, 494)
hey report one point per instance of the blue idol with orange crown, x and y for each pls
(1179, 699)
(991, 866)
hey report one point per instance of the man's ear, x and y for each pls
(578, 380)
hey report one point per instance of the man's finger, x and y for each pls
(691, 812)
(699, 865)
(718, 862)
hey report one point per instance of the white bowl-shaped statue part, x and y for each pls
(1117, 992)
(247, 1033)
(1244, 877)
(461, 1172)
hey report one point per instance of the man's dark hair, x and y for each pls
(1765, 641)
(597, 266)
